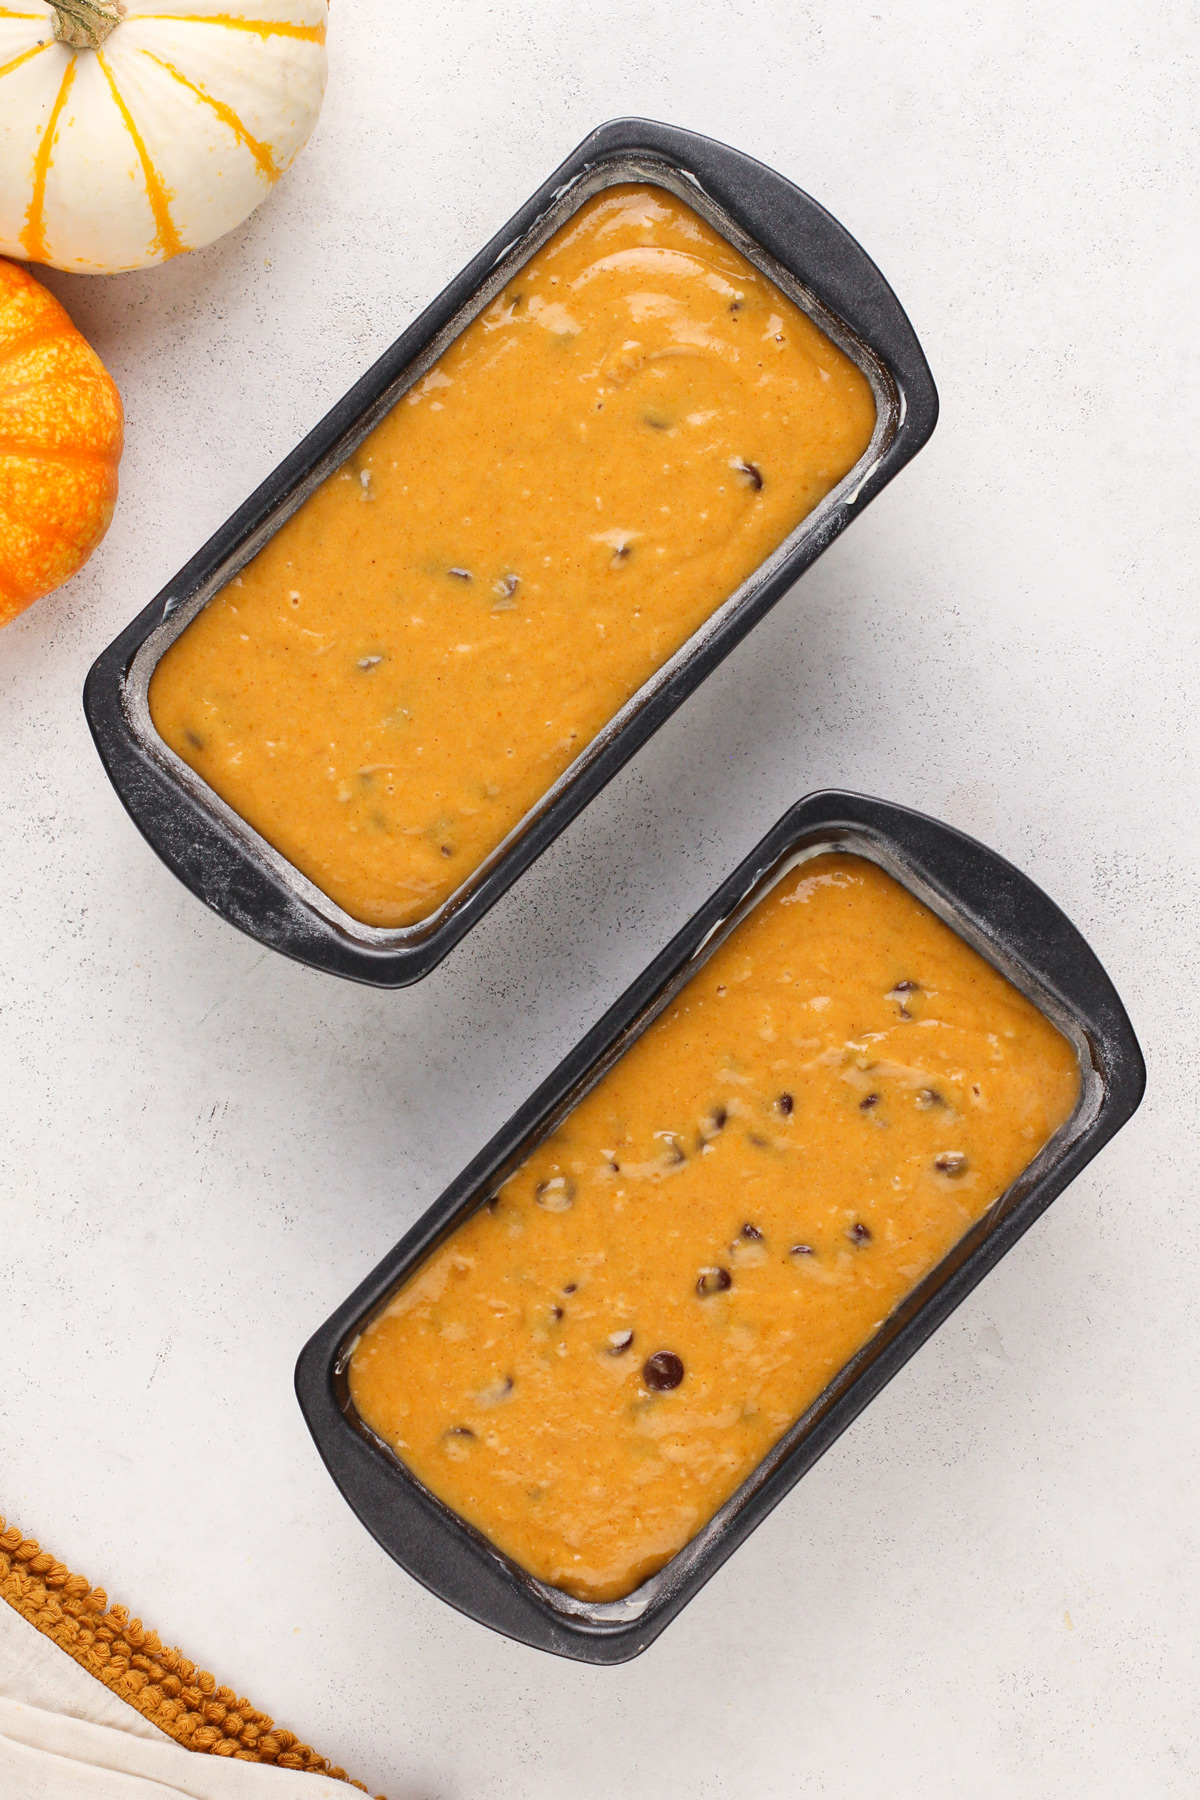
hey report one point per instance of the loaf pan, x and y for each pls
(224, 860)
(995, 909)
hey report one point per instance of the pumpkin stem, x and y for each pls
(84, 24)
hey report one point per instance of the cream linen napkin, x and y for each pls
(63, 1736)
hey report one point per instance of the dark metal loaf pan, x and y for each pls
(221, 858)
(1018, 929)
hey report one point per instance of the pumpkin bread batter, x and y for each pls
(597, 462)
(593, 1362)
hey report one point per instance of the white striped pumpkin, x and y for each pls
(131, 132)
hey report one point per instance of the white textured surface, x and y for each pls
(989, 1588)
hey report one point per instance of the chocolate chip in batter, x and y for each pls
(802, 1250)
(859, 1233)
(555, 1194)
(369, 662)
(716, 1122)
(750, 470)
(570, 1287)
(785, 1103)
(619, 1342)
(714, 1280)
(556, 1312)
(673, 1151)
(194, 739)
(900, 993)
(929, 1097)
(460, 574)
(752, 1232)
(495, 1391)
(868, 1101)
(662, 1371)
(951, 1162)
(462, 1431)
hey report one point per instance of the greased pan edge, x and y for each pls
(996, 909)
(223, 860)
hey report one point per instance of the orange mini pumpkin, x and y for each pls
(61, 435)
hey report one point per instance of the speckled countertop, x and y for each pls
(989, 1587)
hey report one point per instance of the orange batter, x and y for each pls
(595, 464)
(594, 1361)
